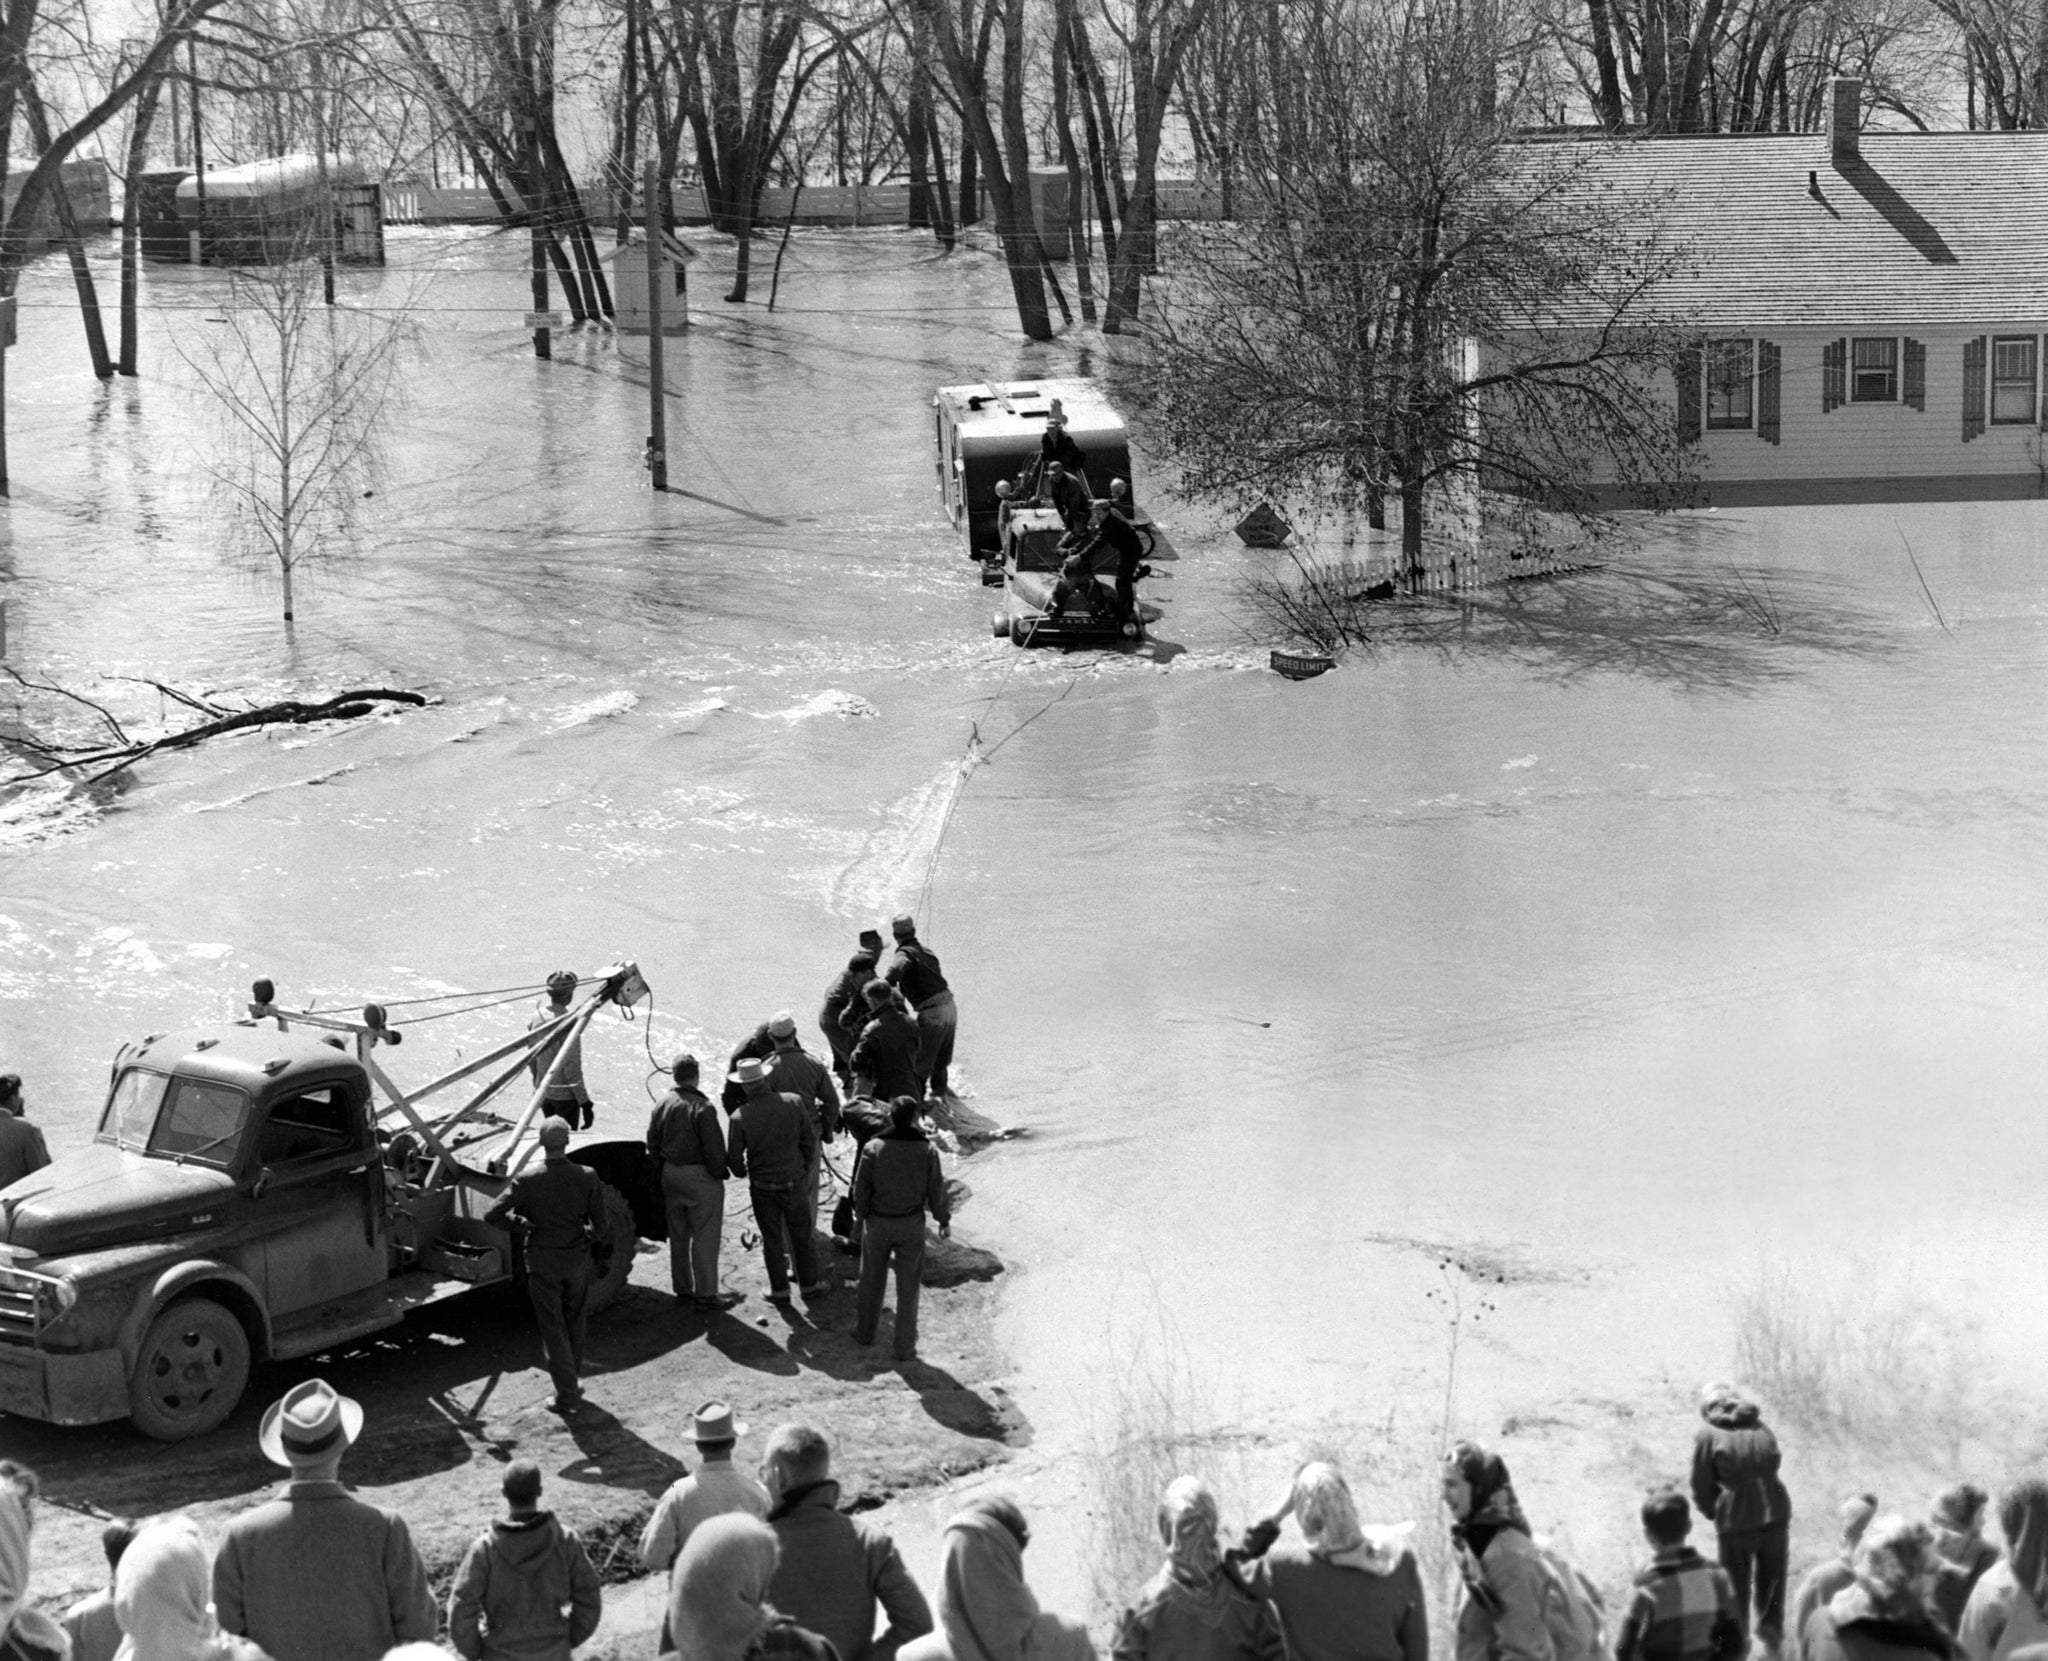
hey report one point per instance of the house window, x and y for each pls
(2013, 364)
(1874, 371)
(1728, 383)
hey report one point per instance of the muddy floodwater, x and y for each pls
(1636, 939)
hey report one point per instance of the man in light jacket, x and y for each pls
(526, 1590)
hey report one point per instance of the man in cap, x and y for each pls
(566, 1095)
(560, 1208)
(22, 1148)
(844, 1013)
(884, 1062)
(772, 1146)
(526, 1590)
(317, 1574)
(897, 1181)
(684, 1135)
(914, 971)
(1115, 531)
(793, 1068)
(1070, 498)
(717, 1487)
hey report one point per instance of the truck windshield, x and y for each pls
(177, 1118)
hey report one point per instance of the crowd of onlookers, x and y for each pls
(768, 1567)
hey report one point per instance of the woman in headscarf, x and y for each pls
(1887, 1612)
(163, 1598)
(25, 1634)
(1195, 1609)
(2008, 1610)
(986, 1611)
(718, 1608)
(1346, 1592)
(1500, 1617)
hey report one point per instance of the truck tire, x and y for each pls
(190, 1370)
(605, 1289)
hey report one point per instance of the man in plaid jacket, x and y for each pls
(1684, 1606)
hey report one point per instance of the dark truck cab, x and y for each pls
(240, 1202)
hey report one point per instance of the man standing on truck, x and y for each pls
(566, 1096)
(1114, 531)
(317, 1574)
(22, 1148)
(1070, 498)
(560, 1208)
(685, 1136)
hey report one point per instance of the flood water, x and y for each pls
(1613, 935)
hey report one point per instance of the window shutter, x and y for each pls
(1973, 388)
(1834, 375)
(1916, 375)
(1686, 370)
(1768, 359)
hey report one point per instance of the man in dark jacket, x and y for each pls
(793, 1069)
(1070, 498)
(684, 1135)
(1735, 1481)
(560, 1208)
(845, 1013)
(834, 1569)
(772, 1146)
(885, 1060)
(914, 972)
(1117, 533)
(22, 1149)
(896, 1181)
(517, 1579)
(1683, 1607)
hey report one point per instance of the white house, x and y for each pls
(1875, 306)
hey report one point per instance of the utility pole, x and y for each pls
(543, 346)
(657, 381)
(198, 154)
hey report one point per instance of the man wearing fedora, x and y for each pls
(717, 1487)
(914, 971)
(317, 1574)
(772, 1145)
(560, 1207)
(794, 1069)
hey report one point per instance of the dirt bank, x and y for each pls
(452, 1397)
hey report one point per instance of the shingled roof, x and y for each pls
(1920, 229)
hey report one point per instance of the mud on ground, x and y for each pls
(456, 1393)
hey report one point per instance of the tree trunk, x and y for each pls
(131, 220)
(1608, 100)
(1070, 158)
(74, 244)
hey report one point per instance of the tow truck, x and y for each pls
(1033, 552)
(262, 1189)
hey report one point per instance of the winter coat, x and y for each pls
(1822, 1582)
(1959, 1576)
(1171, 1623)
(526, 1591)
(1850, 1626)
(1517, 1584)
(2000, 1617)
(1735, 1468)
(835, 1569)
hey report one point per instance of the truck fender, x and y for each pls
(224, 1284)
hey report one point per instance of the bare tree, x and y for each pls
(1414, 304)
(302, 392)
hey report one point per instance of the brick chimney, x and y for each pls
(1848, 119)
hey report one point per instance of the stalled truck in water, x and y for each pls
(990, 431)
(246, 1198)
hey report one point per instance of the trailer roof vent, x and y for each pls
(205, 1044)
(275, 1065)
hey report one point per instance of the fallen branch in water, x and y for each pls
(119, 750)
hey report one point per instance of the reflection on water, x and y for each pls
(1641, 926)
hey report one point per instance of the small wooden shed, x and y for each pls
(629, 284)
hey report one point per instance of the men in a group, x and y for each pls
(560, 1207)
(718, 1486)
(897, 1180)
(914, 972)
(794, 1069)
(772, 1146)
(884, 1062)
(834, 1569)
(526, 1590)
(22, 1149)
(844, 1013)
(372, 1586)
(684, 1134)
(1070, 498)
(565, 1093)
